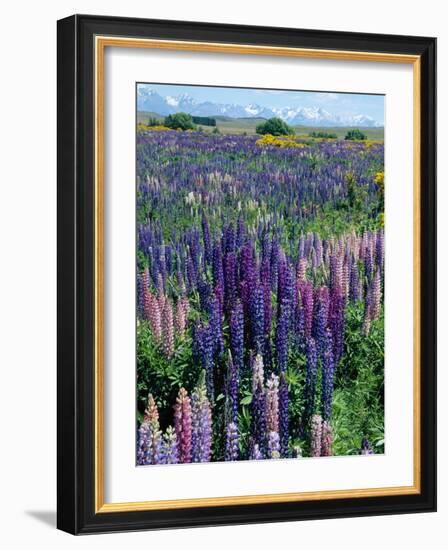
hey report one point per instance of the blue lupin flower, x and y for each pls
(237, 336)
(231, 446)
(257, 319)
(328, 371)
(310, 384)
(283, 421)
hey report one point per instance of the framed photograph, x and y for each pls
(246, 274)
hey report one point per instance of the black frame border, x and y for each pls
(76, 262)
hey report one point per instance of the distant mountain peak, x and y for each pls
(149, 100)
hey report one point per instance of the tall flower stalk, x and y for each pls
(182, 425)
(201, 423)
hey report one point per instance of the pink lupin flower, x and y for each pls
(167, 329)
(145, 278)
(316, 435)
(366, 325)
(186, 307)
(272, 404)
(153, 314)
(301, 270)
(151, 411)
(182, 424)
(345, 279)
(257, 372)
(375, 296)
(161, 299)
(180, 320)
(327, 439)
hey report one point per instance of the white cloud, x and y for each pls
(326, 96)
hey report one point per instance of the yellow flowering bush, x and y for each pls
(145, 128)
(269, 140)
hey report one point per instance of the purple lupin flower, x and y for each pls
(379, 251)
(310, 384)
(182, 424)
(207, 240)
(140, 296)
(283, 420)
(218, 273)
(255, 452)
(273, 445)
(265, 273)
(216, 325)
(170, 450)
(230, 294)
(201, 423)
(257, 319)
(337, 321)
(366, 448)
(231, 446)
(274, 264)
(142, 443)
(191, 273)
(195, 248)
(237, 336)
(272, 404)
(322, 307)
(232, 385)
(267, 317)
(204, 291)
(229, 239)
(316, 435)
(240, 232)
(247, 274)
(328, 369)
(206, 348)
(153, 454)
(327, 439)
(167, 329)
(281, 341)
(288, 294)
(355, 289)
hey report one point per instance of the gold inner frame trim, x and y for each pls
(101, 42)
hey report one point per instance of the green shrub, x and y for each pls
(326, 135)
(275, 127)
(354, 135)
(179, 121)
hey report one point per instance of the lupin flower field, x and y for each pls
(260, 296)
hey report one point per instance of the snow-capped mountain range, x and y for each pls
(149, 100)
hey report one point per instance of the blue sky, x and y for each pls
(336, 103)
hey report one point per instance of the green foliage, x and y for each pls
(355, 135)
(275, 127)
(179, 121)
(358, 401)
(326, 135)
(153, 121)
(204, 120)
(161, 377)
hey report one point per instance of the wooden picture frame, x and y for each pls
(82, 40)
